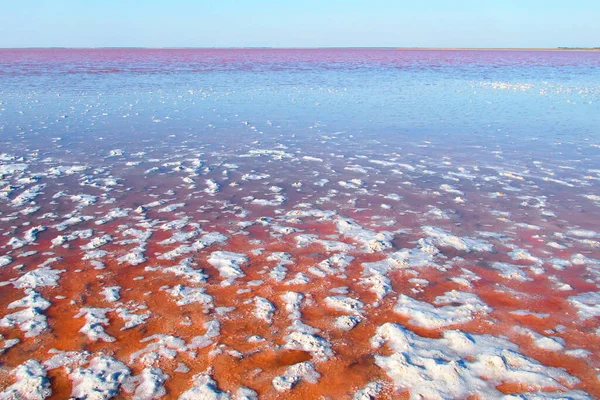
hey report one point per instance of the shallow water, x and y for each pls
(473, 173)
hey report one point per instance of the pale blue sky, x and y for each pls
(305, 23)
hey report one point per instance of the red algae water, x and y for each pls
(302, 224)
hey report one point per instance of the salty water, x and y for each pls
(364, 151)
(485, 96)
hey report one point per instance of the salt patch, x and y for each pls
(228, 263)
(379, 284)
(444, 239)
(346, 322)
(314, 344)
(40, 277)
(111, 293)
(370, 240)
(148, 385)
(185, 270)
(293, 303)
(369, 392)
(422, 256)
(201, 341)
(101, 379)
(72, 221)
(460, 365)
(189, 295)
(264, 309)
(212, 186)
(5, 260)
(526, 313)
(69, 359)
(460, 308)
(344, 303)
(112, 215)
(204, 387)
(97, 242)
(95, 319)
(166, 346)
(511, 271)
(541, 341)
(28, 195)
(31, 384)
(294, 374)
(244, 393)
(131, 319)
(8, 343)
(30, 320)
(587, 304)
(11, 169)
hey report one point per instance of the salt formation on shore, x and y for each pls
(293, 235)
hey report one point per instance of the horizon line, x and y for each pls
(560, 48)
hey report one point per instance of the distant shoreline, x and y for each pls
(503, 48)
(320, 48)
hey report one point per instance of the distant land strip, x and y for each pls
(315, 48)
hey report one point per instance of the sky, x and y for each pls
(304, 23)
